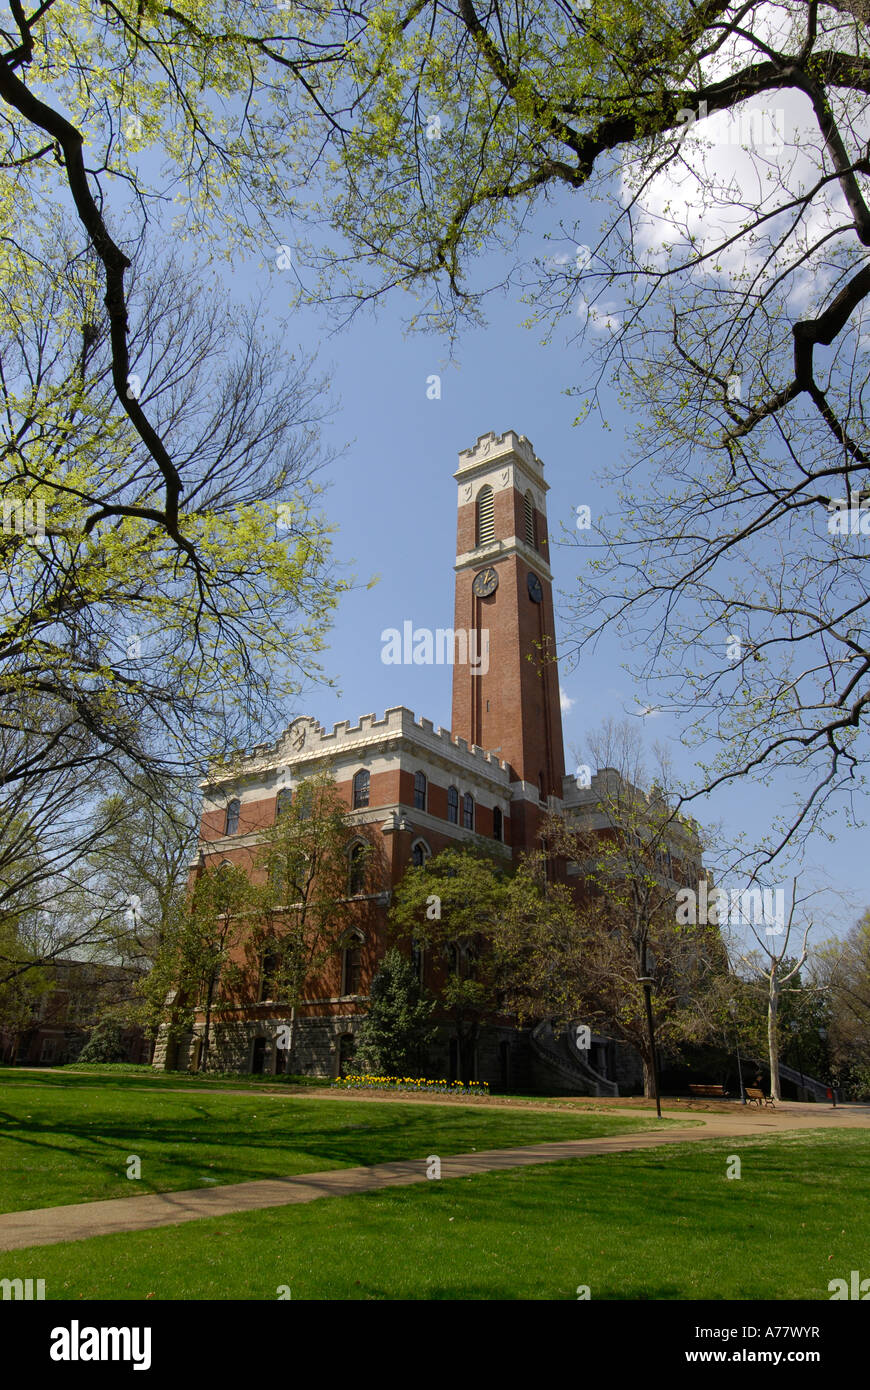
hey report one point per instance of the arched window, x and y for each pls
(361, 789)
(530, 521)
(233, 812)
(420, 852)
(453, 959)
(496, 823)
(468, 811)
(351, 965)
(485, 516)
(284, 802)
(453, 805)
(357, 873)
(419, 791)
(304, 800)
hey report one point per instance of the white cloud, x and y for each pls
(599, 316)
(565, 701)
(649, 712)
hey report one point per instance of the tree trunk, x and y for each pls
(288, 1061)
(203, 1056)
(772, 1034)
(647, 1076)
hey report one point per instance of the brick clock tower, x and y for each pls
(504, 586)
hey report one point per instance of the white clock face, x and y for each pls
(536, 593)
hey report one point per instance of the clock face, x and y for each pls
(485, 583)
(536, 593)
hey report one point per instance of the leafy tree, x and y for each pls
(632, 850)
(198, 953)
(841, 968)
(450, 906)
(19, 996)
(772, 963)
(305, 909)
(143, 633)
(104, 1044)
(395, 1032)
(145, 835)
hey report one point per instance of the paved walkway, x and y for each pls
(51, 1225)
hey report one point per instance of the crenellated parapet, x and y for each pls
(306, 746)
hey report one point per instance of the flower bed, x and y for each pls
(410, 1083)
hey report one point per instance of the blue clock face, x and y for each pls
(485, 583)
(536, 593)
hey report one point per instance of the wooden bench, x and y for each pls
(709, 1091)
(757, 1097)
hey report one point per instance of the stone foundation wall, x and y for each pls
(315, 1046)
(316, 1052)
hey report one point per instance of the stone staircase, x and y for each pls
(818, 1088)
(561, 1058)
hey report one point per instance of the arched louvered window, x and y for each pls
(285, 800)
(357, 874)
(361, 789)
(419, 791)
(530, 522)
(453, 805)
(496, 823)
(485, 516)
(468, 811)
(233, 812)
(419, 853)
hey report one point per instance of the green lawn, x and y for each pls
(666, 1224)
(67, 1137)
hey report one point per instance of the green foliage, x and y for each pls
(451, 906)
(395, 1032)
(104, 1044)
(199, 939)
(303, 906)
(842, 969)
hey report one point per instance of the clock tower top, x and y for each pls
(504, 587)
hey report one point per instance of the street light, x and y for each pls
(732, 1009)
(647, 982)
(795, 1028)
(823, 1033)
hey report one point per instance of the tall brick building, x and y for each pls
(412, 790)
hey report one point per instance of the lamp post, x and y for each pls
(732, 1009)
(647, 982)
(823, 1033)
(795, 1028)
